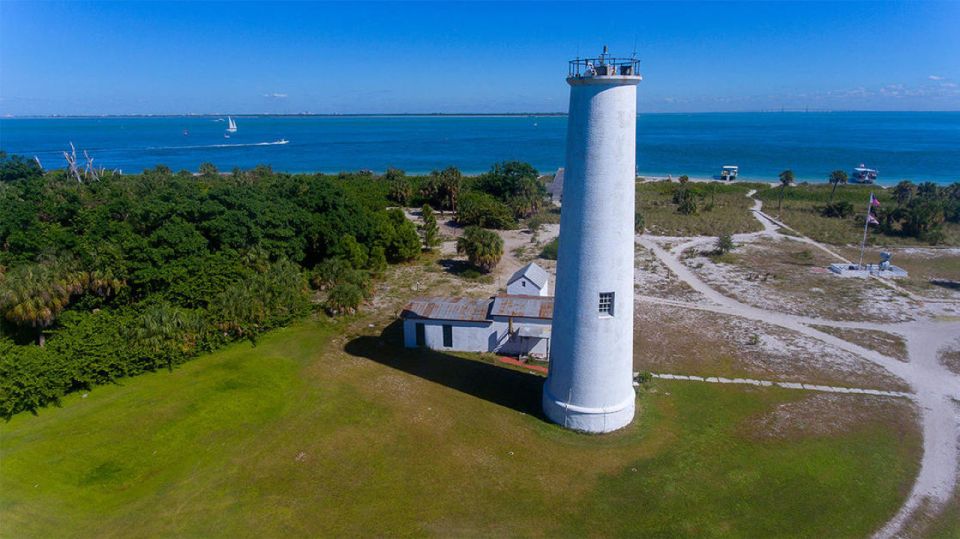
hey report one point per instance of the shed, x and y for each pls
(530, 280)
(438, 323)
(522, 324)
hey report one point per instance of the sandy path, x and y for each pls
(935, 389)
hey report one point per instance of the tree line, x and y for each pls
(127, 274)
(132, 273)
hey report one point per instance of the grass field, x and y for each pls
(800, 211)
(730, 212)
(329, 429)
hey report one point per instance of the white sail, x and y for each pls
(231, 126)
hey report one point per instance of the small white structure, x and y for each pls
(590, 384)
(884, 269)
(513, 324)
(530, 280)
(555, 188)
(877, 270)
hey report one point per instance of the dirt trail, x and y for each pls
(935, 389)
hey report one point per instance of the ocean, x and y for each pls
(920, 146)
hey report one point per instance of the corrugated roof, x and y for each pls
(531, 271)
(523, 306)
(464, 309)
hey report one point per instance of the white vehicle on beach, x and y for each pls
(729, 172)
(862, 174)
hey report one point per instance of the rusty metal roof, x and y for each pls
(523, 306)
(465, 309)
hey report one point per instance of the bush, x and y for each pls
(550, 250)
(841, 209)
(345, 298)
(685, 200)
(724, 244)
(483, 210)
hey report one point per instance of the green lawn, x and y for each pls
(328, 429)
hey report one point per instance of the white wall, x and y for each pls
(525, 287)
(467, 336)
(513, 345)
(590, 386)
(478, 336)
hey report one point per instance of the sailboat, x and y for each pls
(231, 125)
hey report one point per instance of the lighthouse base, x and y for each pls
(586, 419)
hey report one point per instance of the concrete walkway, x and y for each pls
(785, 385)
(936, 390)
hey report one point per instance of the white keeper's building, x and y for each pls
(516, 323)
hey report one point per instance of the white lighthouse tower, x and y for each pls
(590, 385)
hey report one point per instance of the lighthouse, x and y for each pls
(590, 384)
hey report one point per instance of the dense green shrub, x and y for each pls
(550, 250)
(841, 209)
(482, 209)
(142, 272)
(516, 184)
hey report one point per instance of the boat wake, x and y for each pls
(274, 143)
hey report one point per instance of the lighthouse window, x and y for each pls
(606, 303)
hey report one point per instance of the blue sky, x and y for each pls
(172, 58)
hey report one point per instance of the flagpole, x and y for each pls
(866, 223)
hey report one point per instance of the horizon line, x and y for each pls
(472, 114)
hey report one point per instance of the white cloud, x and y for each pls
(275, 96)
(935, 77)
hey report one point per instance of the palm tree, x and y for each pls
(400, 190)
(837, 177)
(786, 178)
(163, 331)
(483, 248)
(928, 190)
(450, 183)
(34, 295)
(904, 192)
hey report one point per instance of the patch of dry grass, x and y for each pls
(730, 211)
(887, 344)
(682, 341)
(951, 360)
(790, 276)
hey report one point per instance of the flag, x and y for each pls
(872, 220)
(873, 201)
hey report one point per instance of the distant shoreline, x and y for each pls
(439, 114)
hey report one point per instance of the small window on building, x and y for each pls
(606, 303)
(448, 336)
(421, 334)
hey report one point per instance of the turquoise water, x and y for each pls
(901, 145)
